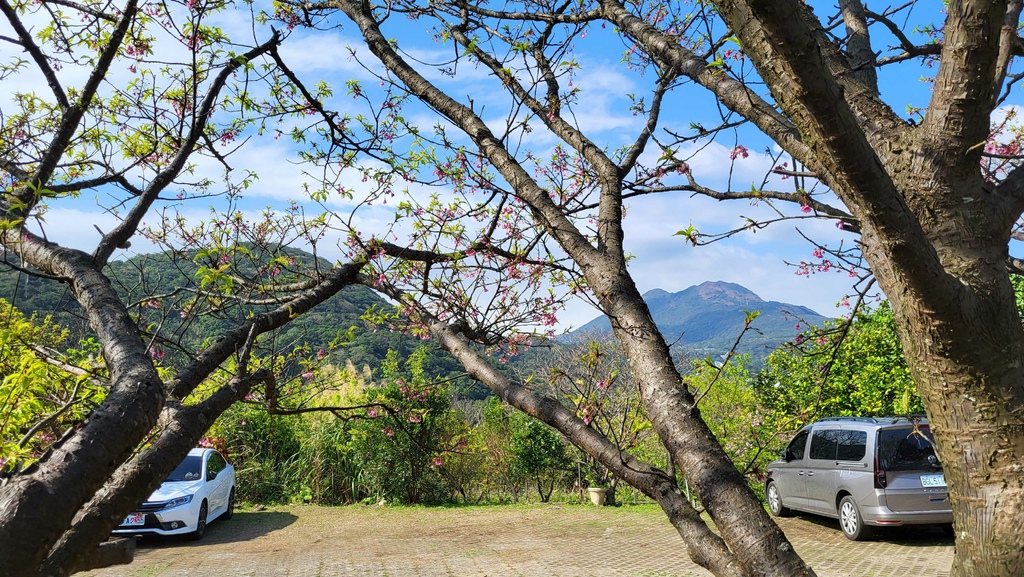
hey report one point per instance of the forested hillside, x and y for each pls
(166, 289)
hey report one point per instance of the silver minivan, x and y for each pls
(864, 471)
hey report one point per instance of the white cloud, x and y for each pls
(307, 54)
(75, 228)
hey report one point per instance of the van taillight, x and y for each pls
(880, 481)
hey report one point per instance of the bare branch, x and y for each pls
(664, 82)
(130, 224)
(234, 341)
(1008, 41)
(26, 41)
(83, 9)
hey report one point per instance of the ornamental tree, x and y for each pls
(858, 370)
(116, 123)
(930, 201)
(402, 441)
(514, 226)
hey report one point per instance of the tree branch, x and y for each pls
(26, 41)
(127, 227)
(705, 548)
(858, 43)
(732, 93)
(212, 357)
(571, 239)
(72, 117)
(74, 400)
(182, 427)
(1008, 41)
(958, 118)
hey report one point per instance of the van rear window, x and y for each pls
(905, 449)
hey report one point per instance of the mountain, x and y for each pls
(706, 320)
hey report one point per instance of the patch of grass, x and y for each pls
(150, 570)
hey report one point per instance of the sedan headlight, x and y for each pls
(178, 502)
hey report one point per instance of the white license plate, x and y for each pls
(135, 519)
(933, 481)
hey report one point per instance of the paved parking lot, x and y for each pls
(527, 540)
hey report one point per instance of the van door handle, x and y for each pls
(810, 473)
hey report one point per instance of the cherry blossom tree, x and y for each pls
(500, 231)
(118, 122)
(930, 202)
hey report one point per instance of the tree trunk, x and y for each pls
(38, 504)
(935, 232)
(759, 545)
(184, 426)
(705, 547)
(965, 354)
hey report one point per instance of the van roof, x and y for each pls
(919, 419)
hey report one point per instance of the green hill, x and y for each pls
(173, 280)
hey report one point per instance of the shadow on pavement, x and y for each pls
(910, 535)
(243, 526)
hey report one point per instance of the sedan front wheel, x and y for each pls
(200, 524)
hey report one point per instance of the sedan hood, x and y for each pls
(169, 491)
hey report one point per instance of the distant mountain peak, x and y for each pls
(726, 293)
(655, 294)
(708, 317)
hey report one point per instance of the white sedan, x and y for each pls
(200, 490)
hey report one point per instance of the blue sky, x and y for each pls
(660, 259)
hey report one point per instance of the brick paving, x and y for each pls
(526, 540)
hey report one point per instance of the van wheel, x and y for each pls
(775, 505)
(851, 522)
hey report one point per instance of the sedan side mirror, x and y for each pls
(211, 475)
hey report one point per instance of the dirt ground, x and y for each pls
(493, 541)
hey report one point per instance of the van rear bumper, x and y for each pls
(882, 516)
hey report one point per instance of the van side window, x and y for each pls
(797, 445)
(823, 444)
(852, 445)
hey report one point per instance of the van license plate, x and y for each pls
(134, 520)
(933, 481)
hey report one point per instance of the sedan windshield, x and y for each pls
(188, 470)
